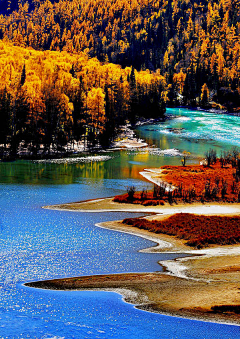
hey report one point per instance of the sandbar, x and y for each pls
(200, 286)
(108, 205)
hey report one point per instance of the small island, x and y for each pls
(194, 210)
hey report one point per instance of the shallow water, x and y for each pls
(37, 244)
(194, 131)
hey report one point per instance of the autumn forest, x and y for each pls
(79, 69)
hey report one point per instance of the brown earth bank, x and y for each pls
(159, 292)
(210, 289)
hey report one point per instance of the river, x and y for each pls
(37, 244)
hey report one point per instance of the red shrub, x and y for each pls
(198, 230)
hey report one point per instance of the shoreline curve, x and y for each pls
(181, 291)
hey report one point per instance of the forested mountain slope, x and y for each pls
(195, 44)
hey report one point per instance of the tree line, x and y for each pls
(48, 99)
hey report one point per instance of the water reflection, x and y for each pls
(123, 165)
(183, 130)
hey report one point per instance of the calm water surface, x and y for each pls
(40, 244)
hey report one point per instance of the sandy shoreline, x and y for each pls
(152, 175)
(189, 287)
(108, 205)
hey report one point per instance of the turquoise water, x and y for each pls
(194, 131)
(38, 244)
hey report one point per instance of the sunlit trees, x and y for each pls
(204, 96)
(49, 99)
(198, 41)
(95, 107)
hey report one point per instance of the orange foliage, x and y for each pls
(191, 184)
(69, 96)
(192, 42)
(198, 230)
(197, 175)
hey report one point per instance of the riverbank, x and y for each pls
(126, 139)
(203, 285)
(109, 205)
(198, 286)
(216, 182)
(161, 293)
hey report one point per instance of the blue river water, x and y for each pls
(37, 243)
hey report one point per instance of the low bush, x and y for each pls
(198, 230)
(192, 183)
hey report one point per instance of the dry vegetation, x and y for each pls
(198, 230)
(218, 180)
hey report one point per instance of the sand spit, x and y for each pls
(160, 244)
(152, 175)
(108, 205)
(182, 267)
(190, 286)
(159, 292)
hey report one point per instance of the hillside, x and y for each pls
(194, 43)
